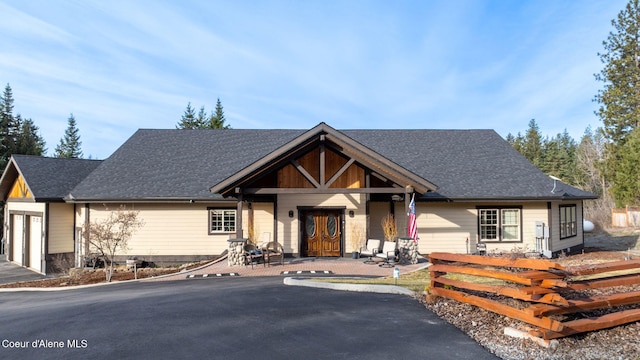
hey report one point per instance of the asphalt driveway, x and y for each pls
(224, 318)
(10, 273)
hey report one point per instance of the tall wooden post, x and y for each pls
(239, 213)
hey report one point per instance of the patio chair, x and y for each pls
(273, 250)
(389, 254)
(369, 251)
(253, 254)
(264, 239)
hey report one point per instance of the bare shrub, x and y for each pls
(109, 236)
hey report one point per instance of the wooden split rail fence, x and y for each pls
(545, 287)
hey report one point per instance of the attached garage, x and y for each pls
(39, 234)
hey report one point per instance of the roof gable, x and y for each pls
(44, 178)
(321, 134)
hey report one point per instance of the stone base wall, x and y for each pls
(236, 252)
(408, 251)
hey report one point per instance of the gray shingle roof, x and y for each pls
(184, 164)
(465, 164)
(52, 178)
(178, 164)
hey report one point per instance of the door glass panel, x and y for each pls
(332, 225)
(310, 225)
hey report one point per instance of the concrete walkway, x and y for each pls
(11, 273)
(297, 266)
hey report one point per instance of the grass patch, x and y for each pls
(417, 281)
(414, 281)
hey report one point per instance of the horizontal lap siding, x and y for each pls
(446, 227)
(288, 227)
(171, 229)
(262, 221)
(61, 230)
(558, 244)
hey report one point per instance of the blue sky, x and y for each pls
(123, 65)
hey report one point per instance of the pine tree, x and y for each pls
(532, 144)
(69, 146)
(28, 141)
(619, 101)
(625, 187)
(201, 120)
(6, 126)
(188, 119)
(217, 119)
(191, 120)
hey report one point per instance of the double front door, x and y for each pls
(321, 232)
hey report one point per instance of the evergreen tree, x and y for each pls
(6, 126)
(619, 100)
(217, 119)
(189, 120)
(201, 120)
(28, 141)
(558, 157)
(625, 187)
(69, 146)
(532, 144)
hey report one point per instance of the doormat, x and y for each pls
(211, 275)
(306, 272)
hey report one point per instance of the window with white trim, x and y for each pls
(500, 224)
(222, 221)
(568, 221)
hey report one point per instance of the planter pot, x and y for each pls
(355, 255)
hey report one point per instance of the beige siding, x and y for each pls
(61, 229)
(288, 227)
(557, 244)
(262, 221)
(377, 211)
(172, 229)
(447, 226)
(25, 206)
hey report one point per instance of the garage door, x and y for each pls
(16, 238)
(35, 242)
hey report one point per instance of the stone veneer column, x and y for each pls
(236, 252)
(408, 251)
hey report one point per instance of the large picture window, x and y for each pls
(500, 224)
(222, 221)
(568, 222)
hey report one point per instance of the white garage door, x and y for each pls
(35, 242)
(16, 238)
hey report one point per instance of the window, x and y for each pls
(222, 220)
(568, 224)
(499, 224)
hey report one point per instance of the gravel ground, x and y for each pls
(487, 328)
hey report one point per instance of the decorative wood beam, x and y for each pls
(340, 172)
(322, 165)
(306, 174)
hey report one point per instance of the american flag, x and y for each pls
(412, 227)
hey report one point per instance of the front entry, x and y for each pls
(321, 232)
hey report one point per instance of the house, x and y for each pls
(318, 192)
